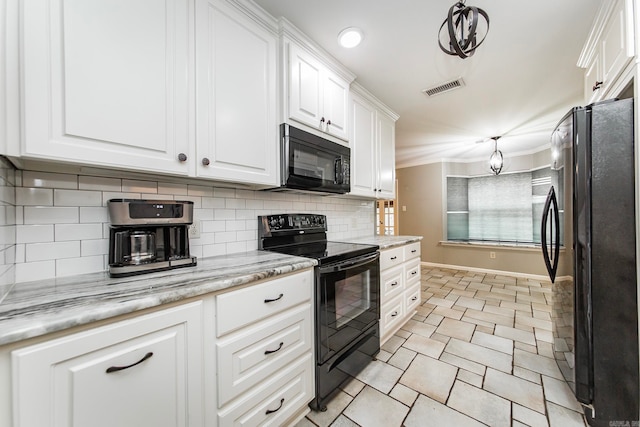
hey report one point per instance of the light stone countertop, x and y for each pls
(387, 242)
(36, 308)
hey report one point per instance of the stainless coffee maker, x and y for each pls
(148, 235)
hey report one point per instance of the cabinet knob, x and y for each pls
(375, 189)
(205, 161)
(322, 120)
(597, 85)
(329, 122)
(182, 157)
(379, 190)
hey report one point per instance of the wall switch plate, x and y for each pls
(404, 208)
(492, 255)
(194, 230)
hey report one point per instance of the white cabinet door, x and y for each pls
(363, 147)
(318, 98)
(372, 142)
(305, 88)
(236, 96)
(143, 371)
(336, 100)
(106, 82)
(387, 158)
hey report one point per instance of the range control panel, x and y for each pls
(295, 223)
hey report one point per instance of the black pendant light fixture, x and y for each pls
(496, 160)
(462, 26)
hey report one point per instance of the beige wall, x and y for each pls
(422, 206)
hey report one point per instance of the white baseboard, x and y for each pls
(538, 277)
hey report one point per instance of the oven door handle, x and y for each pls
(342, 266)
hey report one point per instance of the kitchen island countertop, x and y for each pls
(37, 308)
(387, 242)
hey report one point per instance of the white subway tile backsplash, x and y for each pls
(225, 236)
(51, 215)
(81, 265)
(235, 203)
(94, 214)
(34, 196)
(27, 272)
(99, 183)
(68, 232)
(132, 186)
(94, 247)
(34, 233)
(212, 203)
(224, 193)
(173, 188)
(49, 180)
(77, 217)
(200, 190)
(53, 250)
(77, 198)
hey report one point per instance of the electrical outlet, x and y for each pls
(492, 255)
(194, 230)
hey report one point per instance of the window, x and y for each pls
(498, 209)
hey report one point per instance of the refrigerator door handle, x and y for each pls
(551, 251)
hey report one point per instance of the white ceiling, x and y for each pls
(519, 83)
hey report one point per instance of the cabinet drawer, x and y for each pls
(104, 376)
(275, 400)
(391, 282)
(412, 250)
(412, 298)
(391, 313)
(412, 272)
(251, 355)
(239, 308)
(391, 257)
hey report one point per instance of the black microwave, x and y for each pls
(312, 163)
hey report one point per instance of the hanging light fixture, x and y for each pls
(462, 26)
(496, 160)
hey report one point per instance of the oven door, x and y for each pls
(348, 295)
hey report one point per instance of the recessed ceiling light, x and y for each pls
(350, 37)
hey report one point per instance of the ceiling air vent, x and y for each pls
(444, 87)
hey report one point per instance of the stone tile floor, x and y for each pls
(478, 352)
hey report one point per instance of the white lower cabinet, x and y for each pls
(399, 287)
(242, 357)
(141, 371)
(264, 352)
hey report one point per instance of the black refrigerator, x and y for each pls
(593, 155)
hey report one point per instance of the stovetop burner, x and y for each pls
(305, 235)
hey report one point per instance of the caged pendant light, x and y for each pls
(462, 27)
(496, 160)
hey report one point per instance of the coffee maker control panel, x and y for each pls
(132, 212)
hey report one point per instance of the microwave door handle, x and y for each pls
(337, 166)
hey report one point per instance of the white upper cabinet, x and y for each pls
(608, 50)
(235, 95)
(315, 88)
(372, 145)
(106, 82)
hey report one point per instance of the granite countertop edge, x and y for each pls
(41, 307)
(38, 308)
